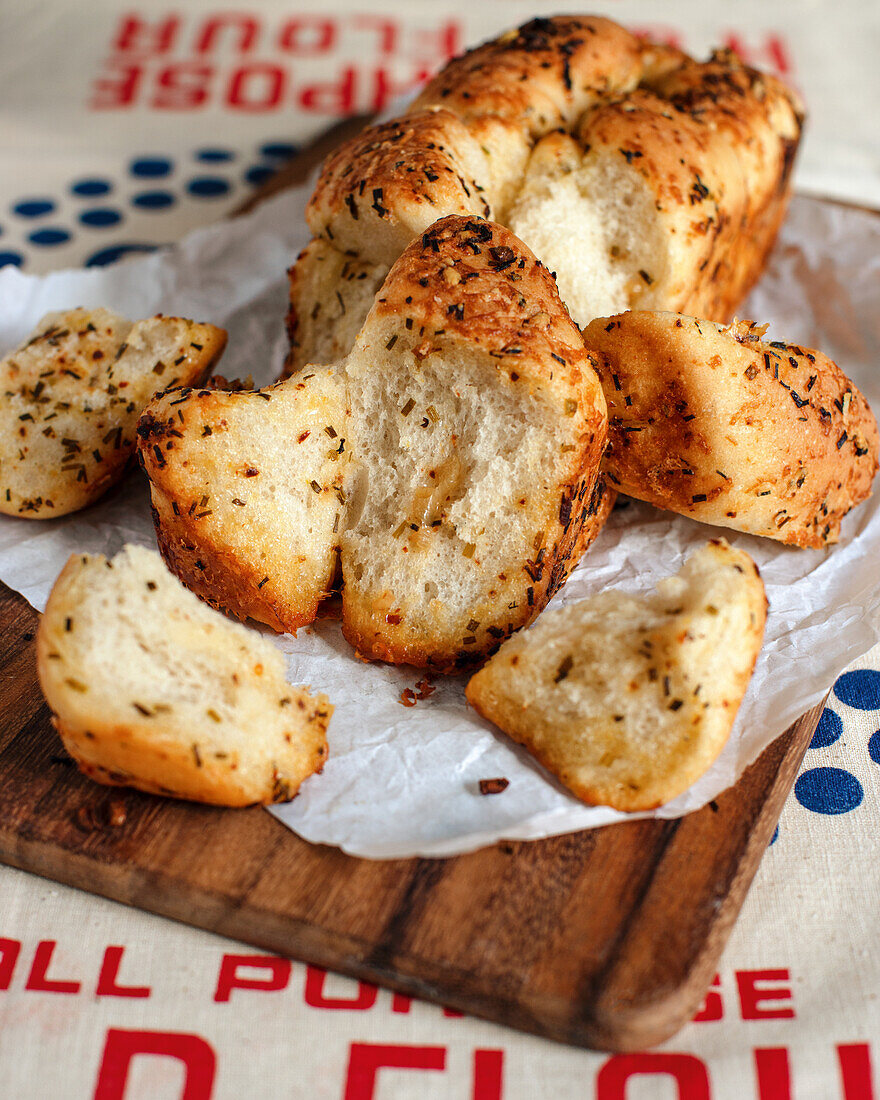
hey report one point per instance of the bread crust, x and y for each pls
(73, 394)
(636, 730)
(714, 144)
(470, 283)
(153, 748)
(214, 458)
(720, 425)
(466, 291)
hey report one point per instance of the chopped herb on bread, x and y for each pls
(72, 394)
(626, 700)
(153, 689)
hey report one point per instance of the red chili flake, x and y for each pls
(424, 688)
(494, 786)
(408, 697)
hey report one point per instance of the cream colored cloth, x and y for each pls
(87, 987)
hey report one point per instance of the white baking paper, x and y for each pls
(403, 781)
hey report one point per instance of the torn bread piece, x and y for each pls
(71, 397)
(152, 689)
(247, 493)
(721, 425)
(627, 700)
(449, 461)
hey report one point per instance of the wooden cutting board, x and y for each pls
(606, 938)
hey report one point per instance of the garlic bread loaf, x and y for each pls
(728, 428)
(642, 178)
(152, 689)
(449, 460)
(627, 700)
(72, 395)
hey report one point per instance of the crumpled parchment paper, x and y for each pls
(404, 781)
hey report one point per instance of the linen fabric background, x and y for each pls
(120, 129)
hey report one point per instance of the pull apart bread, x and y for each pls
(643, 178)
(154, 690)
(446, 469)
(72, 396)
(629, 700)
(720, 425)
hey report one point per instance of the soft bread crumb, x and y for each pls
(152, 689)
(628, 701)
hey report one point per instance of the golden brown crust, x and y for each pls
(471, 280)
(720, 425)
(220, 576)
(629, 701)
(121, 646)
(72, 396)
(130, 756)
(468, 293)
(246, 493)
(542, 76)
(714, 143)
(470, 283)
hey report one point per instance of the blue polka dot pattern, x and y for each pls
(151, 168)
(829, 729)
(14, 259)
(859, 689)
(208, 187)
(874, 747)
(214, 156)
(88, 189)
(33, 208)
(828, 790)
(116, 252)
(282, 149)
(100, 218)
(154, 200)
(258, 174)
(49, 237)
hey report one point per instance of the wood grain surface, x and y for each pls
(606, 938)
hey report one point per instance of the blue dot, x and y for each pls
(88, 188)
(215, 156)
(258, 174)
(49, 236)
(859, 689)
(116, 252)
(874, 747)
(153, 200)
(775, 836)
(14, 259)
(208, 187)
(33, 208)
(100, 218)
(281, 149)
(830, 727)
(151, 168)
(828, 791)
